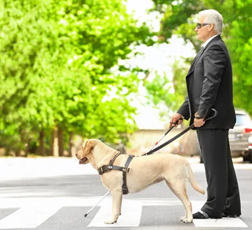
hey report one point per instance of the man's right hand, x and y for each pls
(176, 120)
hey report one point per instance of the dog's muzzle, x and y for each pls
(83, 160)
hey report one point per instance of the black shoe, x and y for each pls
(230, 215)
(203, 215)
(200, 215)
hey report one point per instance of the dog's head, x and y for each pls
(95, 152)
(84, 153)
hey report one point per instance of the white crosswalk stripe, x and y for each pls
(28, 217)
(131, 217)
(218, 223)
(33, 212)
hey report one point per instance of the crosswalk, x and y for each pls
(30, 213)
(130, 218)
(27, 217)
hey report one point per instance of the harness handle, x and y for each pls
(178, 135)
(214, 115)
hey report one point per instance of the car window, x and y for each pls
(243, 119)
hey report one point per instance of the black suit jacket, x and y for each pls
(209, 85)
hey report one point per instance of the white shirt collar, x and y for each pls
(208, 40)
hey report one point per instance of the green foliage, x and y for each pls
(178, 18)
(240, 45)
(171, 92)
(58, 67)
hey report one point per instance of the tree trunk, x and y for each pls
(17, 153)
(72, 150)
(61, 142)
(41, 150)
(55, 142)
(27, 147)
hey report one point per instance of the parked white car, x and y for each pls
(240, 134)
(248, 156)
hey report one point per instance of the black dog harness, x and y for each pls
(125, 169)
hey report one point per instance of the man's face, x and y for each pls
(203, 31)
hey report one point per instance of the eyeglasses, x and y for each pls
(199, 25)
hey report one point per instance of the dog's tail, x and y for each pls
(193, 181)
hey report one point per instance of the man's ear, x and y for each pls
(88, 146)
(211, 27)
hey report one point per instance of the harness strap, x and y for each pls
(124, 186)
(125, 170)
(110, 166)
(107, 168)
(114, 158)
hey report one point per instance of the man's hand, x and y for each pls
(198, 122)
(176, 118)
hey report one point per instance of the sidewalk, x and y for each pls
(26, 168)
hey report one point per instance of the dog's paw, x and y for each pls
(109, 221)
(186, 220)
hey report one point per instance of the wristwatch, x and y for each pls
(196, 116)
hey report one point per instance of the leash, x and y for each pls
(178, 135)
(164, 136)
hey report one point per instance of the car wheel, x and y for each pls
(246, 158)
(250, 156)
(201, 160)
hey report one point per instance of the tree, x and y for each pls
(60, 69)
(240, 45)
(179, 19)
(172, 93)
(25, 54)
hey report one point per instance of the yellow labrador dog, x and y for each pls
(144, 171)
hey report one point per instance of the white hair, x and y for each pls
(214, 17)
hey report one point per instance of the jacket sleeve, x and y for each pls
(184, 109)
(214, 62)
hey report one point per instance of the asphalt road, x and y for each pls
(55, 193)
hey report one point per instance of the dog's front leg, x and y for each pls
(116, 206)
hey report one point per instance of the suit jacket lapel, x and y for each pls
(199, 54)
(195, 60)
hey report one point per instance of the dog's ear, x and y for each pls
(88, 147)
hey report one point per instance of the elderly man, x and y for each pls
(209, 85)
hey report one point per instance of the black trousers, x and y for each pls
(222, 190)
